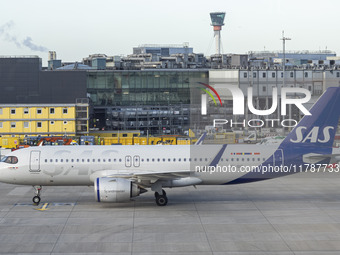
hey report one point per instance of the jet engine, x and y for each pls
(113, 190)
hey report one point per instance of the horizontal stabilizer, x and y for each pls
(313, 158)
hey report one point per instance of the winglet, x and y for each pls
(201, 139)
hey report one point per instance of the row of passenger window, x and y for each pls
(82, 160)
(136, 158)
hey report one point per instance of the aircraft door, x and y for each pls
(128, 160)
(35, 161)
(278, 158)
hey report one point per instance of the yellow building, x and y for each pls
(34, 119)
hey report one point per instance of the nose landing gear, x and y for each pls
(36, 198)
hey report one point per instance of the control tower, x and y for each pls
(217, 19)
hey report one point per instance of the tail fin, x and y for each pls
(319, 128)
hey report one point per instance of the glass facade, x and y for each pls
(126, 88)
(152, 101)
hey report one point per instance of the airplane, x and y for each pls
(119, 173)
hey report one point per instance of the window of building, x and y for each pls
(306, 74)
(245, 75)
(39, 124)
(65, 122)
(12, 111)
(0, 124)
(263, 75)
(26, 111)
(52, 111)
(65, 111)
(337, 74)
(39, 111)
(291, 74)
(52, 122)
(264, 89)
(273, 75)
(281, 74)
(26, 124)
(254, 74)
(0, 111)
(13, 124)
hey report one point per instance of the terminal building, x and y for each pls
(155, 100)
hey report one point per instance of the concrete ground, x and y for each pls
(292, 215)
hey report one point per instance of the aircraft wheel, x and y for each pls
(36, 200)
(161, 200)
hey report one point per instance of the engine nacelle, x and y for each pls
(114, 190)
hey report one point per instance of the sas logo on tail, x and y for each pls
(313, 135)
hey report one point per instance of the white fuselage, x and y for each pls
(80, 165)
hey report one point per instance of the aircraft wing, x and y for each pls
(153, 175)
(150, 177)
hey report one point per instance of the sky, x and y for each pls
(76, 29)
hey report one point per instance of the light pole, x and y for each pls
(284, 39)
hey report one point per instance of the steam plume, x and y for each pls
(27, 42)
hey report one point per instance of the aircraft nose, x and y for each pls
(4, 172)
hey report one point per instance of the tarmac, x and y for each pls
(297, 214)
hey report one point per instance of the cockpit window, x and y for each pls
(10, 160)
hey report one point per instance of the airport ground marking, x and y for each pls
(45, 205)
(43, 208)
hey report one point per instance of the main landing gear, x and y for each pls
(36, 198)
(161, 200)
